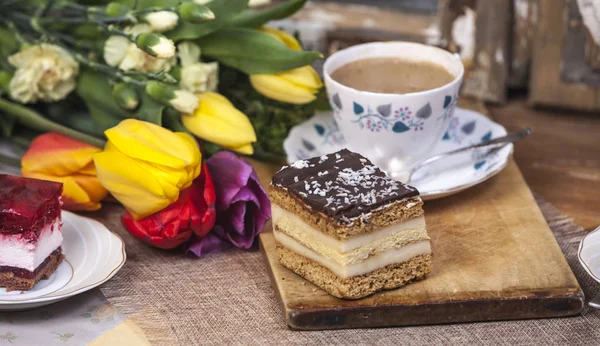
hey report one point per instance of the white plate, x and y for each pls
(320, 135)
(589, 253)
(93, 254)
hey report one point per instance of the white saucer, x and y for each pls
(93, 254)
(320, 135)
(589, 253)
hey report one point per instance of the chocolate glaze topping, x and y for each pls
(342, 185)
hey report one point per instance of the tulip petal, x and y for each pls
(276, 87)
(132, 184)
(217, 120)
(58, 155)
(149, 142)
(304, 76)
(247, 149)
(208, 244)
(282, 36)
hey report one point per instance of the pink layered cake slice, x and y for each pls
(30, 231)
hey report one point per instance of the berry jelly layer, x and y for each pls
(27, 205)
(23, 253)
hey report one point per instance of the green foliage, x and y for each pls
(95, 91)
(73, 113)
(224, 10)
(254, 19)
(253, 52)
(150, 110)
(272, 120)
(8, 43)
(7, 124)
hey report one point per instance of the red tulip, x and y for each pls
(193, 213)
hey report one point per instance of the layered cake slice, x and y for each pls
(30, 231)
(342, 224)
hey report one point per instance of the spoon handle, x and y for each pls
(595, 302)
(492, 143)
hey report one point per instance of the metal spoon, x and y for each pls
(496, 143)
(595, 302)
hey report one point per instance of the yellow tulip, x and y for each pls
(216, 120)
(297, 86)
(285, 38)
(145, 166)
(55, 157)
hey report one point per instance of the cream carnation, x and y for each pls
(44, 72)
(162, 21)
(200, 77)
(115, 49)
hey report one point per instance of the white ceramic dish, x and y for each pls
(320, 135)
(589, 253)
(93, 255)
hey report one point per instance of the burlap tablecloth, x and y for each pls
(227, 298)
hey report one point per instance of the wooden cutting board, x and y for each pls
(495, 258)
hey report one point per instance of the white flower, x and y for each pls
(138, 60)
(162, 21)
(164, 48)
(44, 72)
(115, 49)
(134, 58)
(184, 101)
(188, 52)
(256, 3)
(251, 3)
(200, 77)
(138, 29)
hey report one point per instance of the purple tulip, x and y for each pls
(243, 206)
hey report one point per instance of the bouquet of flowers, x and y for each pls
(128, 97)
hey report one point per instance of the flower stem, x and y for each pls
(35, 121)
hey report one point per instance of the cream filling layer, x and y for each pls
(17, 252)
(354, 249)
(372, 263)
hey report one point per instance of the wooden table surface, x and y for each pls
(561, 159)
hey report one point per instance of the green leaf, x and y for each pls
(400, 127)
(224, 11)
(8, 43)
(253, 52)
(95, 91)
(150, 110)
(143, 4)
(30, 118)
(254, 19)
(73, 116)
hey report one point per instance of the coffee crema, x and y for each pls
(392, 75)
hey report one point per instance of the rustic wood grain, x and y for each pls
(488, 76)
(546, 85)
(560, 159)
(494, 259)
(525, 21)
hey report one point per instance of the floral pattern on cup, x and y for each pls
(382, 118)
(449, 106)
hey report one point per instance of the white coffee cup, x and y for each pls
(393, 130)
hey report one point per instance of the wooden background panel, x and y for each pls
(546, 85)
